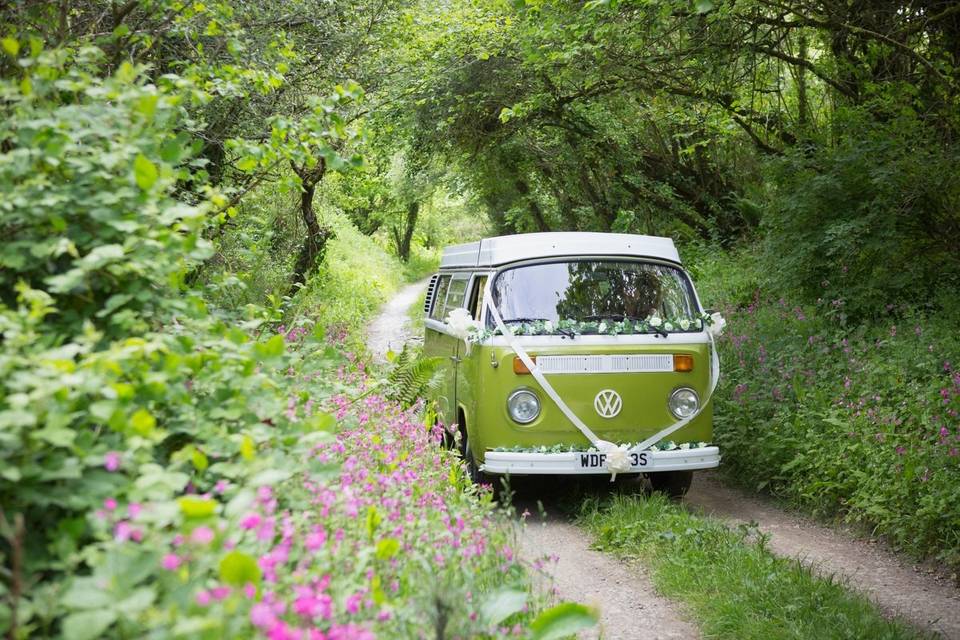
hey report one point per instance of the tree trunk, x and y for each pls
(403, 234)
(315, 243)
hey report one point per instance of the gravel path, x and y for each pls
(896, 585)
(391, 329)
(629, 607)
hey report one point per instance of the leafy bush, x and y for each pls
(170, 469)
(859, 421)
(86, 176)
(873, 219)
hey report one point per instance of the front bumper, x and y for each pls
(499, 462)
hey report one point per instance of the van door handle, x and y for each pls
(456, 358)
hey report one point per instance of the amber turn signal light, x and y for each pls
(519, 367)
(681, 362)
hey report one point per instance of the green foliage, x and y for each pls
(734, 587)
(851, 420)
(144, 430)
(412, 376)
(87, 218)
(355, 279)
(874, 220)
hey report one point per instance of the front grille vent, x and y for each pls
(643, 363)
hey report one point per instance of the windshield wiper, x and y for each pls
(612, 316)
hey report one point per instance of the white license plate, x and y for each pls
(599, 460)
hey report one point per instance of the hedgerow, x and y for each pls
(170, 468)
(858, 420)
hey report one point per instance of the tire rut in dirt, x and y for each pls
(629, 606)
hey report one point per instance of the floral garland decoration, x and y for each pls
(571, 448)
(713, 323)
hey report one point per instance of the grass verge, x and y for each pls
(733, 586)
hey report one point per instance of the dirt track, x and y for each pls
(627, 601)
(895, 584)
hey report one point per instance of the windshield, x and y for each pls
(594, 296)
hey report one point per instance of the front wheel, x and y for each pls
(673, 484)
(473, 469)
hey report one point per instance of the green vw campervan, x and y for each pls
(556, 347)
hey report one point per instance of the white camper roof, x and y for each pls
(493, 252)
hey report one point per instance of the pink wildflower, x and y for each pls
(202, 535)
(250, 521)
(171, 562)
(261, 615)
(111, 460)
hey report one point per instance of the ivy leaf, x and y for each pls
(85, 593)
(143, 422)
(11, 46)
(247, 164)
(387, 548)
(144, 171)
(247, 449)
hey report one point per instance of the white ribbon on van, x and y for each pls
(617, 456)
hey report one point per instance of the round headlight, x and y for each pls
(524, 406)
(683, 402)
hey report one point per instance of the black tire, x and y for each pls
(473, 469)
(673, 484)
(447, 440)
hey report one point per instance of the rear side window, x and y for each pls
(476, 296)
(456, 294)
(443, 283)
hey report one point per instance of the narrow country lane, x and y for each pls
(629, 605)
(897, 586)
(391, 328)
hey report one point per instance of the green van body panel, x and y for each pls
(480, 391)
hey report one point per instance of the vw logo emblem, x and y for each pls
(608, 403)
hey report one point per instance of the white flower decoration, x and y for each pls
(655, 321)
(602, 328)
(618, 460)
(667, 326)
(684, 323)
(685, 445)
(717, 323)
(548, 326)
(462, 325)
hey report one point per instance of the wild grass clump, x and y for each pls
(731, 584)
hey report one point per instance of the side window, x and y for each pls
(457, 293)
(441, 294)
(476, 296)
